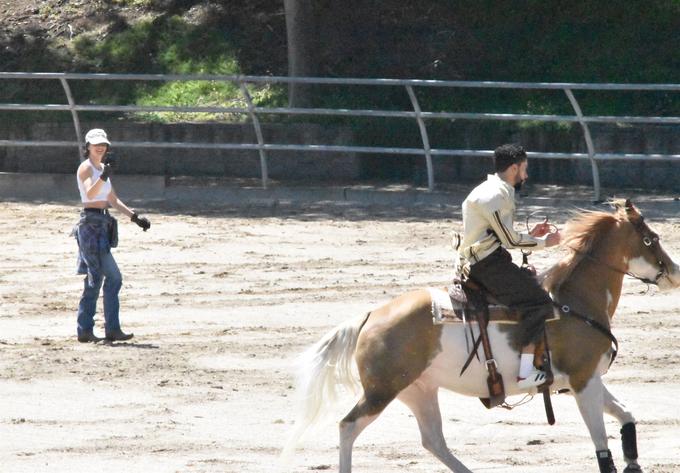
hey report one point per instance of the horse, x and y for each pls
(397, 352)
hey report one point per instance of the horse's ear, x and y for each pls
(631, 211)
(619, 204)
(625, 207)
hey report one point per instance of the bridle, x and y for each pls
(650, 240)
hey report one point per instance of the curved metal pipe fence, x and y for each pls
(253, 112)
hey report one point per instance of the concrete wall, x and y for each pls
(639, 173)
(193, 162)
(350, 167)
(44, 187)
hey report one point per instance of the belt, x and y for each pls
(95, 210)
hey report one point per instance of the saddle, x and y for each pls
(471, 304)
(474, 302)
(467, 297)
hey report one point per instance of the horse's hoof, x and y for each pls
(634, 468)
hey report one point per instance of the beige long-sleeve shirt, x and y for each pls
(488, 220)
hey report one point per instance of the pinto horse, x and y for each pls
(401, 354)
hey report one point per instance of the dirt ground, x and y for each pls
(221, 299)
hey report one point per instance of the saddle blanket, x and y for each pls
(448, 309)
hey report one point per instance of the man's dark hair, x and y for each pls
(506, 155)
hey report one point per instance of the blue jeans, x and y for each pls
(112, 279)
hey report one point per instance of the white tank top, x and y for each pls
(103, 192)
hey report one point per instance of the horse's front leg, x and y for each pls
(591, 401)
(616, 409)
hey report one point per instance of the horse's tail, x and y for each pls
(322, 368)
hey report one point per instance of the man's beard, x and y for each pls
(518, 186)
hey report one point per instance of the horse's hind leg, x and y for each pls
(363, 413)
(616, 409)
(424, 403)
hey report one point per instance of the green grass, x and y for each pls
(172, 46)
(205, 94)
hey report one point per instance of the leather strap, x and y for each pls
(547, 402)
(494, 380)
(565, 309)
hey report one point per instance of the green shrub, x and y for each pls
(170, 45)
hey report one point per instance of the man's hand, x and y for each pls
(541, 229)
(545, 228)
(553, 238)
(142, 222)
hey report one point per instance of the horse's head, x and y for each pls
(647, 260)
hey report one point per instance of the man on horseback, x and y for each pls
(488, 220)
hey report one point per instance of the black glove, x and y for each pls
(110, 159)
(142, 222)
(108, 170)
(109, 163)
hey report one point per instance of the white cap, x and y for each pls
(96, 136)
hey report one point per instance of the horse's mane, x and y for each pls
(581, 234)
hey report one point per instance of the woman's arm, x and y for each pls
(118, 204)
(91, 188)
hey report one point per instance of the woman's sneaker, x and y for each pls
(535, 378)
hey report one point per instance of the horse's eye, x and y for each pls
(647, 241)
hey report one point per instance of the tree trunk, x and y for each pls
(302, 34)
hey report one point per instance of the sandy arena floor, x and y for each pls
(221, 299)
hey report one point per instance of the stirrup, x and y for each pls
(535, 378)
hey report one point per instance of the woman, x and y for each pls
(97, 233)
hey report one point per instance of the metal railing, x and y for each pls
(252, 111)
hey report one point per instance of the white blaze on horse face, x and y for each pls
(642, 268)
(610, 300)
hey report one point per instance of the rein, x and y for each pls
(655, 281)
(649, 239)
(565, 309)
